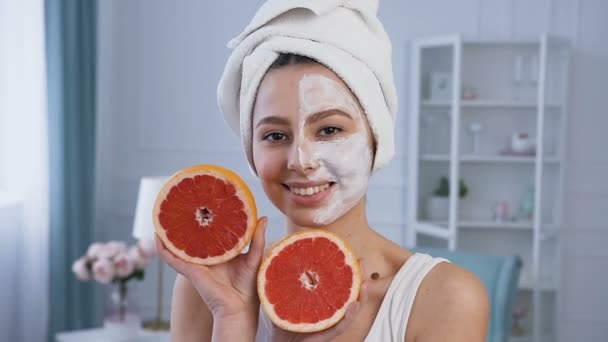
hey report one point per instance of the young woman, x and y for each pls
(313, 135)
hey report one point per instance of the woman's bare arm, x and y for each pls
(452, 305)
(191, 320)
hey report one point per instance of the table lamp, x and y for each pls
(143, 229)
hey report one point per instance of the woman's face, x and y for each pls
(312, 146)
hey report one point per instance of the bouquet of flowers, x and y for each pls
(115, 262)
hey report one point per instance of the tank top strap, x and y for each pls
(392, 318)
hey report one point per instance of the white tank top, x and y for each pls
(393, 315)
(391, 320)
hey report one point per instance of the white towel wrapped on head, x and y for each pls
(344, 35)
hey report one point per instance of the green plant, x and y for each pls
(443, 190)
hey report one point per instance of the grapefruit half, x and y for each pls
(205, 214)
(307, 281)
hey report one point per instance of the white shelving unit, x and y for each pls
(497, 88)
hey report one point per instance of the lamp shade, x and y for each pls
(143, 227)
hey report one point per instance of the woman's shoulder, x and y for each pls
(452, 303)
(450, 282)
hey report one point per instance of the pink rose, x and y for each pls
(135, 254)
(147, 248)
(79, 267)
(111, 249)
(123, 264)
(94, 250)
(103, 270)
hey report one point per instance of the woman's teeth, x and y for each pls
(309, 191)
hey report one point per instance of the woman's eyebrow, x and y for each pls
(272, 120)
(321, 115)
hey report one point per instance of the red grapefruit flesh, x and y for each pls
(307, 281)
(205, 214)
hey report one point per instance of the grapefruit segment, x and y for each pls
(307, 281)
(205, 214)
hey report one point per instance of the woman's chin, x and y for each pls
(307, 219)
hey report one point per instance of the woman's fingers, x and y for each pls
(256, 250)
(169, 258)
(176, 263)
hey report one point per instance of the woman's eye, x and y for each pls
(329, 130)
(274, 136)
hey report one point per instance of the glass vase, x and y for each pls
(121, 319)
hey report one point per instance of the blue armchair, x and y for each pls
(499, 274)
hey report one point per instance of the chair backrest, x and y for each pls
(499, 274)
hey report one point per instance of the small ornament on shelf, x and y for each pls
(437, 206)
(524, 81)
(526, 204)
(501, 212)
(440, 85)
(518, 313)
(475, 129)
(517, 78)
(533, 72)
(469, 93)
(520, 144)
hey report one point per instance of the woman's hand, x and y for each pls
(229, 288)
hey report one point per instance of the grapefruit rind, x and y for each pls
(243, 193)
(350, 260)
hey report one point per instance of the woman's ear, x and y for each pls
(373, 143)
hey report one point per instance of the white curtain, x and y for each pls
(23, 172)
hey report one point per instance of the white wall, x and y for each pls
(159, 64)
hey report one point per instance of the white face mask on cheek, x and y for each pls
(346, 161)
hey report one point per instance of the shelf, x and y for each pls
(486, 159)
(486, 104)
(486, 224)
(496, 225)
(482, 224)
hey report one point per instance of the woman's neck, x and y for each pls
(352, 227)
(379, 255)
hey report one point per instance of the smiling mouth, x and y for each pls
(309, 191)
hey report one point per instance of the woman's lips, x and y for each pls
(300, 195)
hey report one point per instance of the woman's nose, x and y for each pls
(302, 158)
